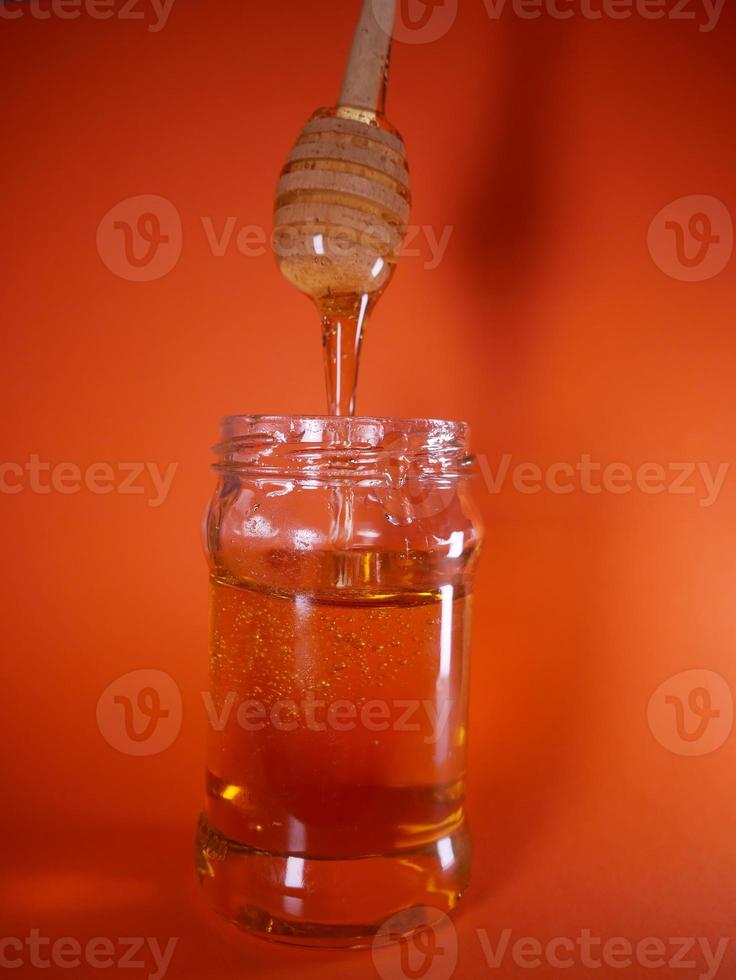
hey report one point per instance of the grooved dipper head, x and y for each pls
(342, 207)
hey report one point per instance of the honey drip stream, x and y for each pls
(342, 337)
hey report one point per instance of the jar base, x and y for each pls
(331, 903)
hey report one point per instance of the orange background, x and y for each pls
(549, 146)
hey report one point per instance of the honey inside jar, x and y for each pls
(339, 742)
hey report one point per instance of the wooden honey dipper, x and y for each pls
(343, 203)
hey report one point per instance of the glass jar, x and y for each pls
(342, 554)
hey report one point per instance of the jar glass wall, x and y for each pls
(342, 554)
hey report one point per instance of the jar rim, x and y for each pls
(343, 445)
(337, 426)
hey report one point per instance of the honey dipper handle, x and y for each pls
(367, 73)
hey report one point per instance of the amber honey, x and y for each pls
(341, 738)
(337, 738)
